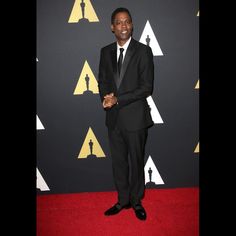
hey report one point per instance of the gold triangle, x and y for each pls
(91, 86)
(197, 148)
(197, 85)
(91, 146)
(76, 13)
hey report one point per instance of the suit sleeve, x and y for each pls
(103, 85)
(145, 85)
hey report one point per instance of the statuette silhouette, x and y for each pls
(148, 40)
(91, 155)
(83, 7)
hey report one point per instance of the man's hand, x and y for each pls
(109, 100)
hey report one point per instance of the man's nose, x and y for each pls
(123, 25)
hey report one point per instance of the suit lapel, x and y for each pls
(128, 56)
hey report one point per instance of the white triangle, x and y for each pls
(39, 124)
(41, 184)
(148, 32)
(155, 176)
(154, 112)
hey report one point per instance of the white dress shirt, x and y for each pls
(125, 46)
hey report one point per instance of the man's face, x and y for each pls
(122, 27)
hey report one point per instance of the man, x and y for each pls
(123, 90)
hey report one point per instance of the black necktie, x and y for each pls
(120, 60)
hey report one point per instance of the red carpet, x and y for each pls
(170, 212)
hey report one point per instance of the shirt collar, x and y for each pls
(125, 46)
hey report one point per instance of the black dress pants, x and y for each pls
(128, 151)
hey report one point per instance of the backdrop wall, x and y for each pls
(72, 144)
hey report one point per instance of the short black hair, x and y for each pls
(118, 10)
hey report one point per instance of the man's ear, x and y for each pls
(112, 28)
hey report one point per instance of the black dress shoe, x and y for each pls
(116, 209)
(140, 212)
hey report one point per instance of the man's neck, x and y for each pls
(121, 43)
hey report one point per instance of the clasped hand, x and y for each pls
(109, 100)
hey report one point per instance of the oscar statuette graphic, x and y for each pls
(150, 183)
(87, 91)
(91, 155)
(83, 8)
(148, 40)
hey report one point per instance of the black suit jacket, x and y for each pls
(131, 89)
